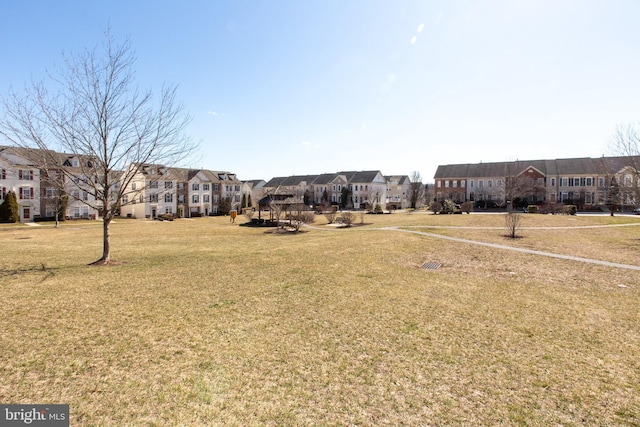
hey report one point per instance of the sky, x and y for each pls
(296, 87)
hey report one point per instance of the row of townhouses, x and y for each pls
(155, 189)
(152, 191)
(350, 190)
(586, 182)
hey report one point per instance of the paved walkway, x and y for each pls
(511, 248)
(407, 229)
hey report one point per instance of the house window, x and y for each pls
(446, 184)
(471, 184)
(216, 198)
(181, 186)
(205, 198)
(133, 186)
(564, 182)
(454, 184)
(600, 182)
(490, 183)
(195, 187)
(552, 197)
(51, 192)
(141, 198)
(195, 198)
(553, 182)
(153, 198)
(85, 196)
(76, 212)
(205, 187)
(3, 174)
(588, 198)
(463, 183)
(181, 198)
(168, 185)
(576, 182)
(49, 212)
(125, 199)
(168, 198)
(589, 182)
(168, 210)
(153, 184)
(26, 193)
(25, 175)
(481, 183)
(216, 187)
(3, 193)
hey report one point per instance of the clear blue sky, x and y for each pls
(287, 87)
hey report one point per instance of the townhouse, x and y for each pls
(159, 189)
(64, 187)
(19, 175)
(398, 188)
(349, 189)
(587, 182)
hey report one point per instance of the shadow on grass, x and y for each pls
(48, 272)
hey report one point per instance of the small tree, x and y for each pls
(9, 209)
(416, 190)
(435, 207)
(449, 206)
(345, 198)
(92, 109)
(512, 223)
(348, 218)
(330, 214)
(466, 207)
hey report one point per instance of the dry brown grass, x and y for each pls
(209, 323)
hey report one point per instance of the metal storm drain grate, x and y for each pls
(430, 266)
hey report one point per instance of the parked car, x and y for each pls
(636, 211)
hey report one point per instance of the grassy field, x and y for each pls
(208, 323)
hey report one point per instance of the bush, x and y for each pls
(449, 206)
(165, 217)
(570, 209)
(466, 207)
(435, 207)
(347, 218)
(47, 218)
(9, 208)
(532, 209)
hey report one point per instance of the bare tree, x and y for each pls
(626, 143)
(416, 190)
(330, 214)
(347, 218)
(92, 109)
(55, 197)
(435, 207)
(512, 223)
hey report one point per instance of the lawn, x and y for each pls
(204, 323)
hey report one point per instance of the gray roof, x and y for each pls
(322, 179)
(555, 167)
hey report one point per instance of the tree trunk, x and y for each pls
(106, 240)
